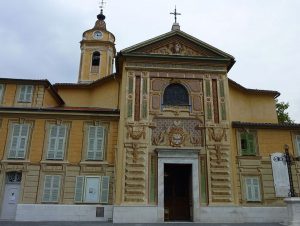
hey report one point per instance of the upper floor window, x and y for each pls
(25, 93)
(176, 95)
(1, 92)
(252, 188)
(248, 143)
(56, 142)
(18, 141)
(297, 141)
(95, 62)
(95, 143)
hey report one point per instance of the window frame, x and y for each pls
(258, 186)
(25, 99)
(297, 144)
(51, 188)
(2, 92)
(164, 104)
(11, 137)
(82, 192)
(47, 144)
(241, 150)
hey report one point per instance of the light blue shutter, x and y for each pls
(60, 142)
(28, 93)
(55, 188)
(52, 141)
(256, 191)
(298, 144)
(252, 189)
(51, 188)
(104, 189)
(19, 138)
(99, 143)
(47, 188)
(79, 186)
(22, 93)
(91, 143)
(1, 92)
(23, 141)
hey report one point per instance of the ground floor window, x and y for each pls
(92, 189)
(51, 188)
(252, 189)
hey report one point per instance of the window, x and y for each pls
(248, 143)
(95, 143)
(252, 189)
(176, 94)
(95, 62)
(56, 142)
(18, 141)
(51, 188)
(298, 144)
(1, 92)
(25, 93)
(92, 189)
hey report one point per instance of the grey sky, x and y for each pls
(40, 38)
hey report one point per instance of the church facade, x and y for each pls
(167, 137)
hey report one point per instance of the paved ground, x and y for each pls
(59, 223)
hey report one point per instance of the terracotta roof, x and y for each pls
(44, 82)
(86, 85)
(257, 91)
(286, 126)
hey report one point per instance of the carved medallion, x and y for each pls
(176, 136)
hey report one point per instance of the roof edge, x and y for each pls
(285, 126)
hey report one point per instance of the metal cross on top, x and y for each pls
(101, 4)
(175, 14)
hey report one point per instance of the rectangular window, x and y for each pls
(248, 143)
(1, 92)
(95, 142)
(92, 189)
(25, 93)
(252, 189)
(56, 142)
(298, 144)
(18, 141)
(51, 188)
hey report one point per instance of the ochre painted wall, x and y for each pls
(248, 107)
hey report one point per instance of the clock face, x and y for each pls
(97, 35)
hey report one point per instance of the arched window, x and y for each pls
(95, 62)
(176, 94)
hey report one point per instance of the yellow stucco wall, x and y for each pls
(102, 95)
(248, 107)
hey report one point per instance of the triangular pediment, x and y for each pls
(177, 43)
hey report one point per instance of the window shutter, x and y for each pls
(47, 189)
(52, 141)
(91, 143)
(22, 93)
(252, 189)
(298, 144)
(256, 192)
(1, 91)
(60, 142)
(23, 140)
(99, 143)
(28, 93)
(55, 188)
(251, 144)
(19, 139)
(79, 189)
(244, 143)
(249, 189)
(104, 189)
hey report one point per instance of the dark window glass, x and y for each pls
(176, 94)
(96, 59)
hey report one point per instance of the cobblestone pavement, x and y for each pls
(64, 223)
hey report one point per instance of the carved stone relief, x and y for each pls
(136, 132)
(177, 132)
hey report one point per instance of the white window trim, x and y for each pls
(25, 97)
(252, 189)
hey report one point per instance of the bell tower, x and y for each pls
(97, 52)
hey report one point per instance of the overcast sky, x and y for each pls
(40, 38)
